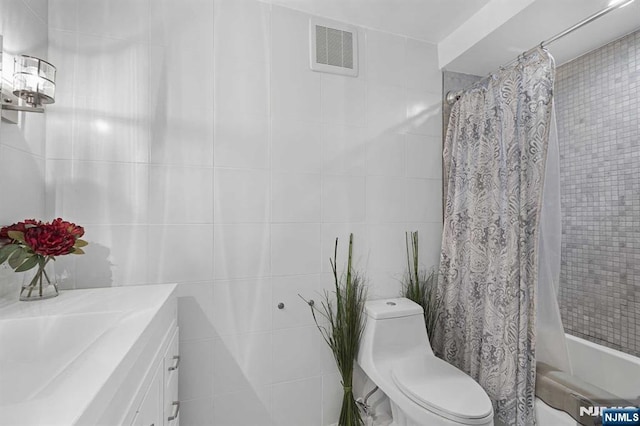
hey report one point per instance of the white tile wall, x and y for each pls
(239, 192)
(298, 403)
(343, 155)
(242, 362)
(296, 146)
(344, 149)
(296, 354)
(242, 306)
(296, 197)
(22, 145)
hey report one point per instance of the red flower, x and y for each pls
(50, 239)
(72, 228)
(20, 227)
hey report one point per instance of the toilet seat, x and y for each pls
(442, 389)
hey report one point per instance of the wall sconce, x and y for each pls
(34, 81)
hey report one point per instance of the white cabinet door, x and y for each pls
(150, 410)
(171, 373)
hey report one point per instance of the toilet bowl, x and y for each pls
(423, 390)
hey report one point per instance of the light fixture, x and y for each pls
(34, 81)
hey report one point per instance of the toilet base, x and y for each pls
(429, 418)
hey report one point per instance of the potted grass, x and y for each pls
(340, 319)
(419, 285)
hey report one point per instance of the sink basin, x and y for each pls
(64, 360)
(38, 349)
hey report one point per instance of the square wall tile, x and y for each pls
(242, 31)
(241, 195)
(386, 154)
(343, 100)
(386, 199)
(296, 94)
(424, 200)
(296, 197)
(194, 18)
(122, 19)
(242, 362)
(112, 257)
(101, 133)
(295, 249)
(424, 156)
(173, 79)
(296, 354)
(297, 146)
(343, 199)
(241, 140)
(424, 113)
(62, 49)
(180, 194)
(15, 205)
(180, 253)
(125, 87)
(344, 150)
(242, 88)
(196, 369)
(249, 407)
(196, 412)
(241, 251)
(421, 66)
(290, 38)
(386, 109)
(182, 142)
(289, 290)
(388, 247)
(89, 192)
(242, 306)
(195, 311)
(59, 128)
(298, 403)
(181, 125)
(385, 58)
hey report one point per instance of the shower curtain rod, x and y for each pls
(452, 96)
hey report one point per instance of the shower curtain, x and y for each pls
(551, 343)
(494, 164)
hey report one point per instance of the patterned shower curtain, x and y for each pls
(494, 164)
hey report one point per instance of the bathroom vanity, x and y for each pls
(105, 356)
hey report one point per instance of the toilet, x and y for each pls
(423, 390)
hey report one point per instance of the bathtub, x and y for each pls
(611, 370)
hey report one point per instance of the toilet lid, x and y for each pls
(441, 388)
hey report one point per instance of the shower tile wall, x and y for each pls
(598, 125)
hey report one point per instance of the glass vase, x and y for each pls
(40, 282)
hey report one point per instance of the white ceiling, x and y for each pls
(541, 20)
(477, 36)
(429, 20)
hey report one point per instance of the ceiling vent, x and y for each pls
(334, 47)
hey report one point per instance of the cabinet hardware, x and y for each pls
(177, 363)
(176, 410)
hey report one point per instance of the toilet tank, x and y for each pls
(394, 328)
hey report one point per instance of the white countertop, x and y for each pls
(57, 355)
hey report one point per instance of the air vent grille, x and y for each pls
(333, 49)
